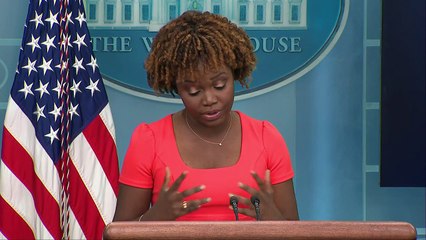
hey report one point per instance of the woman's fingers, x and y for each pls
(175, 186)
(247, 188)
(268, 177)
(189, 206)
(247, 211)
(243, 201)
(264, 192)
(166, 181)
(171, 204)
(193, 190)
(260, 182)
(246, 208)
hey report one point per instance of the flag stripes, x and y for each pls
(59, 166)
(15, 225)
(30, 185)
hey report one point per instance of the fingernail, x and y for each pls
(202, 187)
(209, 199)
(230, 194)
(240, 184)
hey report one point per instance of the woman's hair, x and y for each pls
(196, 38)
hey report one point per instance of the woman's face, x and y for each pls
(208, 96)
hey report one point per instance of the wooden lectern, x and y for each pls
(263, 230)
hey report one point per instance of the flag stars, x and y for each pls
(75, 87)
(33, 43)
(73, 111)
(39, 112)
(93, 63)
(80, 41)
(42, 89)
(57, 89)
(30, 66)
(78, 64)
(52, 135)
(69, 19)
(27, 89)
(68, 41)
(39, 2)
(56, 112)
(80, 18)
(93, 86)
(40, 54)
(49, 42)
(52, 19)
(37, 19)
(46, 65)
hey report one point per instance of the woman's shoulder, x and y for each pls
(160, 123)
(248, 119)
(254, 122)
(156, 125)
(257, 128)
(158, 128)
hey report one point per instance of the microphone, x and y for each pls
(256, 202)
(234, 203)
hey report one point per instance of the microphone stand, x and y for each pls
(234, 203)
(256, 202)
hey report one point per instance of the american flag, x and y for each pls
(59, 166)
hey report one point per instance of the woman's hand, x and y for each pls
(171, 204)
(265, 194)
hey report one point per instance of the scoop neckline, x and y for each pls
(183, 164)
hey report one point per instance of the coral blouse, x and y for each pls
(153, 147)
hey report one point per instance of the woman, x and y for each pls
(187, 165)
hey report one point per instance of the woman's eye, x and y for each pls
(220, 86)
(193, 93)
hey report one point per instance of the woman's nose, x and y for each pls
(209, 98)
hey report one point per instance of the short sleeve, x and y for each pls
(137, 165)
(279, 161)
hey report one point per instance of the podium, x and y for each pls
(263, 230)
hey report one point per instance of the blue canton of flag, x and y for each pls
(58, 151)
(38, 84)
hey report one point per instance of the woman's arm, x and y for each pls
(285, 199)
(132, 202)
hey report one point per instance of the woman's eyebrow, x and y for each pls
(217, 75)
(188, 81)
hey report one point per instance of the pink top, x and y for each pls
(153, 147)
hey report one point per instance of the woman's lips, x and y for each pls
(211, 116)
